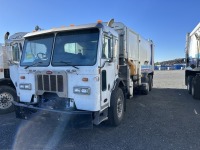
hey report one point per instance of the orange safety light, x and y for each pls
(99, 21)
(71, 25)
(85, 79)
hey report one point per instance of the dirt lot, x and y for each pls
(167, 118)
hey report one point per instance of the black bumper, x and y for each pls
(74, 119)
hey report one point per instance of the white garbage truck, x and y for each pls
(192, 71)
(84, 73)
(9, 51)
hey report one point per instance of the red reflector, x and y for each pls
(49, 72)
(22, 77)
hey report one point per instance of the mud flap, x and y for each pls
(72, 119)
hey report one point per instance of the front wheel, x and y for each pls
(7, 95)
(116, 110)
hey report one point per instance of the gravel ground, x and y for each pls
(167, 118)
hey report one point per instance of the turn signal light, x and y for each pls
(22, 77)
(85, 79)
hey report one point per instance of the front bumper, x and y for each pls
(72, 118)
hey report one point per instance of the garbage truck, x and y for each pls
(9, 51)
(82, 73)
(192, 71)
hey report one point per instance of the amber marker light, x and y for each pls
(99, 70)
(99, 21)
(85, 79)
(22, 77)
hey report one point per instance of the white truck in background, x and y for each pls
(192, 71)
(10, 51)
(84, 73)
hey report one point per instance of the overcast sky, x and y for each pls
(166, 22)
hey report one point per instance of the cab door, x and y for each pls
(109, 68)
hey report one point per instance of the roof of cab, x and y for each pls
(67, 28)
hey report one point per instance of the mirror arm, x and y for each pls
(109, 61)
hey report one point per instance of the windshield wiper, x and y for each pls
(67, 63)
(34, 64)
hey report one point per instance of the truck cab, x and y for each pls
(192, 71)
(10, 52)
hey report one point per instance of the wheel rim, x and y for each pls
(5, 100)
(119, 107)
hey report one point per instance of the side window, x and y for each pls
(115, 45)
(16, 52)
(107, 47)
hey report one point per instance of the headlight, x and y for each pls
(82, 90)
(25, 86)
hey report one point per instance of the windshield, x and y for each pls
(37, 49)
(76, 48)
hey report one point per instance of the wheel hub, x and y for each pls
(5, 100)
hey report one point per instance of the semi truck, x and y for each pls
(192, 71)
(83, 73)
(9, 51)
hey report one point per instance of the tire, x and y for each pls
(146, 90)
(7, 95)
(116, 109)
(150, 82)
(195, 87)
(189, 84)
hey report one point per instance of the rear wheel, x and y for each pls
(146, 90)
(150, 82)
(145, 84)
(116, 110)
(195, 87)
(189, 84)
(7, 95)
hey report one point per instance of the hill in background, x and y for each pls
(171, 62)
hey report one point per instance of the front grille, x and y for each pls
(50, 83)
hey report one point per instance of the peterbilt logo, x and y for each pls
(49, 72)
